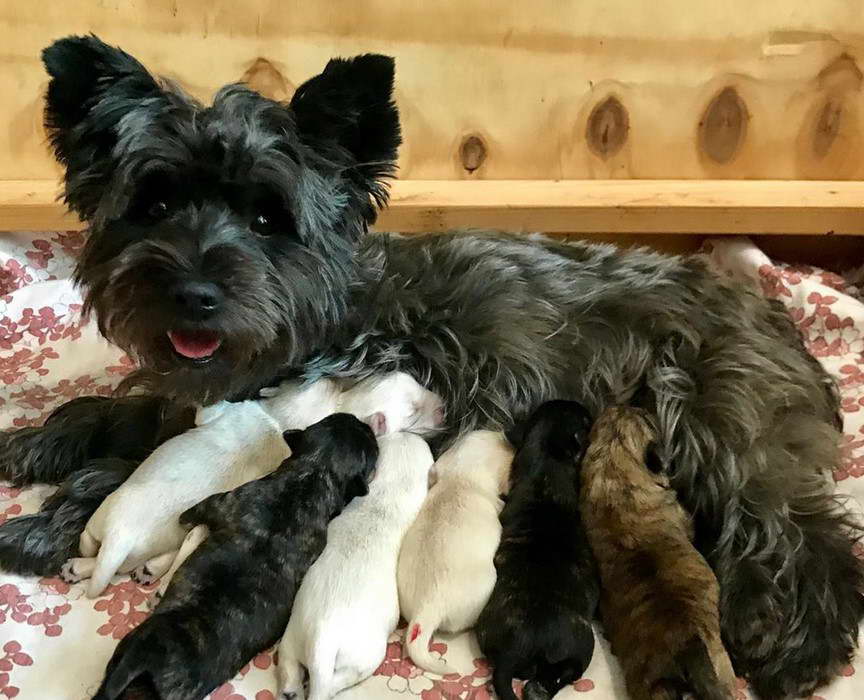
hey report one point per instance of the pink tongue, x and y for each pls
(195, 344)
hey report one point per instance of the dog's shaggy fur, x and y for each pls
(660, 600)
(446, 571)
(232, 597)
(537, 623)
(348, 604)
(259, 258)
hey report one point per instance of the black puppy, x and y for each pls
(232, 597)
(537, 623)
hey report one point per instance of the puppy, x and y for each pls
(232, 597)
(663, 621)
(232, 444)
(537, 623)
(446, 571)
(348, 604)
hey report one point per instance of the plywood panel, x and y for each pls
(547, 89)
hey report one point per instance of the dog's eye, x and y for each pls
(158, 210)
(261, 224)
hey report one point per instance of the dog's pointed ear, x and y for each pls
(350, 106)
(93, 87)
(378, 422)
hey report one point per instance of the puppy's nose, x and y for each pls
(198, 299)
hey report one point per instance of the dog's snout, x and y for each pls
(198, 299)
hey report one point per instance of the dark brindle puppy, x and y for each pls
(227, 246)
(660, 598)
(232, 597)
(537, 623)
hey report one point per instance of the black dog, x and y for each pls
(232, 597)
(537, 623)
(227, 246)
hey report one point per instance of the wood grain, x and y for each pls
(548, 89)
(571, 206)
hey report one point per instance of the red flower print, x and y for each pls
(226, 692)
(121, 601)
(13, 510)
(13, 604)
(13, 656)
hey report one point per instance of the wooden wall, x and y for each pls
(509, 89)
(528, 89)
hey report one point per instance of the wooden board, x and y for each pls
(573, 206)
(547, 89)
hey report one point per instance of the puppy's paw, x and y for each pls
(77, 569)
(142, 575)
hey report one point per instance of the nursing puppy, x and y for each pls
(232, 444)
(663, 621)
(232, 597)
(446, 571)
(348, 604)
(537, 624)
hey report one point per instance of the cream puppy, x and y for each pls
(446, 571)
(348, 604)
(232, 444)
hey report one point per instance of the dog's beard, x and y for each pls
(264, 324)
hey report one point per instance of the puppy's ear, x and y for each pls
(515, 434)
(350, 107)
(378, 423)
(356, 487)
(293, 438)
(93, 87)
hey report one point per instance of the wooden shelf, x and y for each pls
(570, 206)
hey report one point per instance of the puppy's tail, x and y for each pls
(112, 554)
(417, 637)
(502, 679)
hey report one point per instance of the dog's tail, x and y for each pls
(502, 679)
(38, 544)
(417, 637)
(696, 674)
(112, 554)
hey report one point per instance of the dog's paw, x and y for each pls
(142, 575)
(69, 573)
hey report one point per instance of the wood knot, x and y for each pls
(723, 126)
(607, 128)
(263, 77)
(472, 152)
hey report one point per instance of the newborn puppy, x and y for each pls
(660, 599)
(232, 444)
(537, 624)
(348, 605)
(232, 597)
(446, 573)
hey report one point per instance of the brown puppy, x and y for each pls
(662, 621)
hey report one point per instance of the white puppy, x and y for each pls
(446, 571)
(348, 604)
(232, 443)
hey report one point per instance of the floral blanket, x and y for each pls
(54, 642)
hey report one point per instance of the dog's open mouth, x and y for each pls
(195, 345)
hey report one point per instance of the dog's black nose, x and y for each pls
(198, 299)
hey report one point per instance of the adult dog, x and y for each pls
(228, 245)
